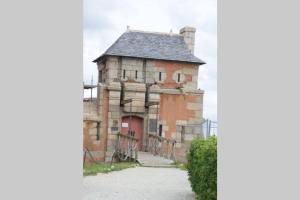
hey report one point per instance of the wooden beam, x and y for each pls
(152, 103)
(126, 101)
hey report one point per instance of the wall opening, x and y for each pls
(178, 77)
(160, 130)
(136, 125)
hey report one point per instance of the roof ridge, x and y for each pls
(154, 32)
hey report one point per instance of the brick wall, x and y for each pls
(96, 112)
(177, 106)
(179, 110)
(170, 70)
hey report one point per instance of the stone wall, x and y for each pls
(91, 142)
(102, 72)
(177, 111)
(180, 102)
(170, 70)
(134, 70)
(165, 73)
(122, 69)
(136, 92)
(90, 108)
(94, 112)
(113, 68)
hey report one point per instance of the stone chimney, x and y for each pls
(188, 34)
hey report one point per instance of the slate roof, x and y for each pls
(150, 45)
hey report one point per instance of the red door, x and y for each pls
(136, 125)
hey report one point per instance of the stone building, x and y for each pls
(158, 72)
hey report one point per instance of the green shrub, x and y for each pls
(202, 168)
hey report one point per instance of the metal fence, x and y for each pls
(209, 128)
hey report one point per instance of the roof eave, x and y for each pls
(99, 58)
(128, 56)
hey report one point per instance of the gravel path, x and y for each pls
(140, 183)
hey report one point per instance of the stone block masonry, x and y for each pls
(177, 107)
(189, 37)
(172, 83)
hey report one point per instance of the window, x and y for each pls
(152, 125)
(114, 129)
(98, 129)
(136, 74)
(124, 73)
(159, 77)
(178, 77)
(160, 130)
(115, 126)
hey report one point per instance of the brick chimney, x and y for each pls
(188, 34)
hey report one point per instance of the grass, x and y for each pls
(179, 165)
(94, 169)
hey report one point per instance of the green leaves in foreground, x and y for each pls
(202, 168)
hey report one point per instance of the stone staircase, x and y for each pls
(147, 159)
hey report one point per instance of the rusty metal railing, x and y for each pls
(126, 148)
(161, 146)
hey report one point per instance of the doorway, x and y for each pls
(136, 125)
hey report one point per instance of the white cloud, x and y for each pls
(105, 21)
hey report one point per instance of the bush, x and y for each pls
(202, 168)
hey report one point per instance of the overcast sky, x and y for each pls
(105, 21)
